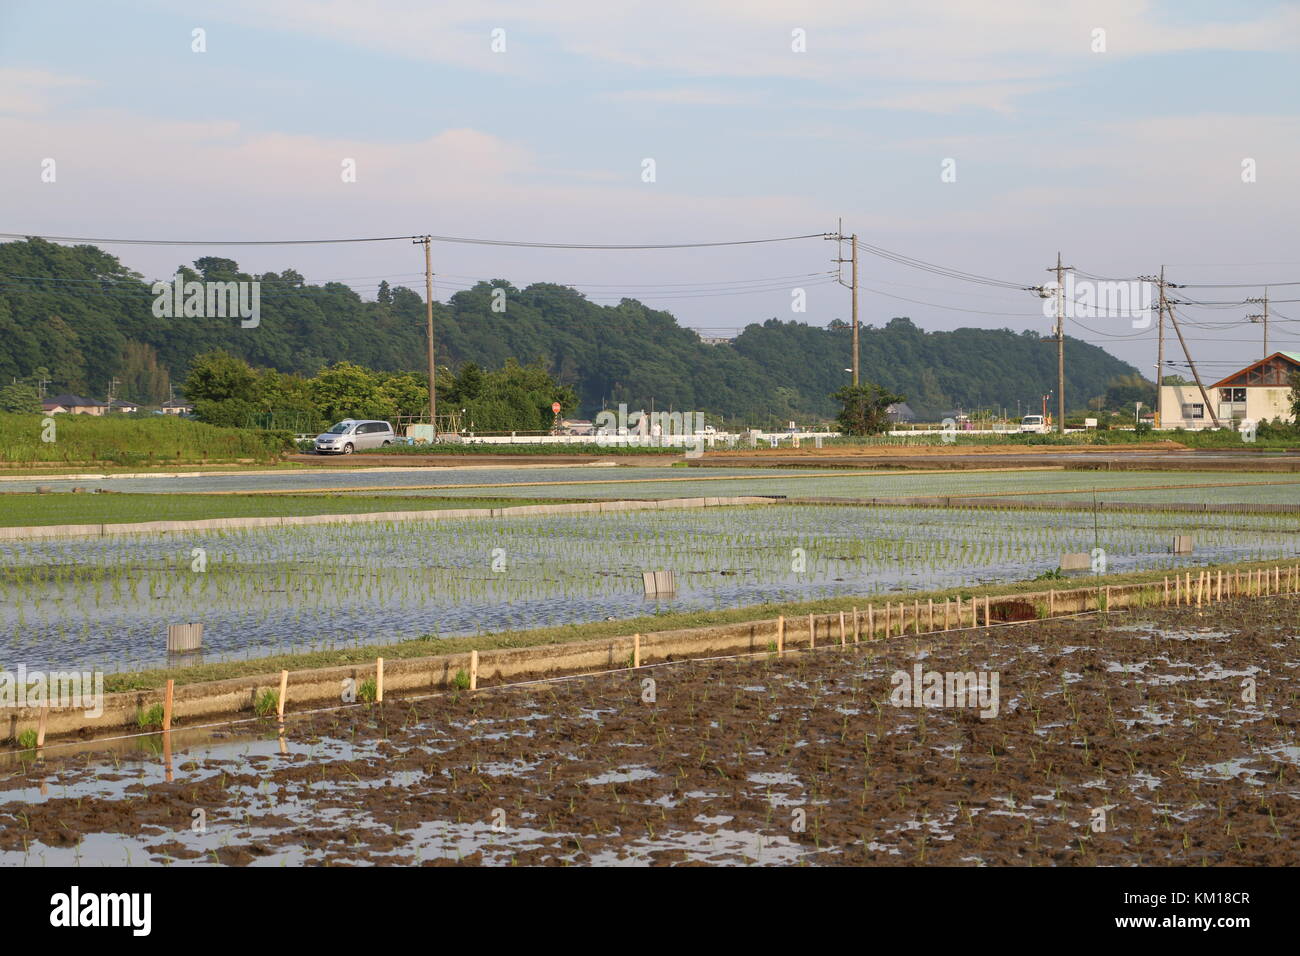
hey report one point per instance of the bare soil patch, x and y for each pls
(1161, 736)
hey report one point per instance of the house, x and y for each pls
(73, 405)
(900, 412)
(177, 407)
(1256, 393)
(118, 405)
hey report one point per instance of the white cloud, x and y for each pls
(940, 41)
(34, 91)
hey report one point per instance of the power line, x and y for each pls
(465, 240)
(622, 246)
(119, 288)
(204, 242)
(1230, 285)
(951, 308)
(935, 268)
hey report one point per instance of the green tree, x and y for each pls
(1124, 390)
(219, 376)
(19, 397)
(345, 390)
(143, 378)
(865, 408)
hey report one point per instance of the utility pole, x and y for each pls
(1060, 343)
(853, 240)
(1160, 356)
(1160, 347)
(1262, 317)
(427, 241)
(1205, 396)
(853, 259)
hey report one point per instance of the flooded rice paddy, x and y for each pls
(679, 482)
(106, 602)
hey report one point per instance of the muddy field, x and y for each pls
(1156, 737)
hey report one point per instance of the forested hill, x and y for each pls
(78, 314)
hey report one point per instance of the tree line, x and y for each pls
(80, 316)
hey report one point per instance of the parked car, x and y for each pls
(352, 435)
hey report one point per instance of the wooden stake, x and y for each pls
(947, 619)
(916, 617)
(1051, 602)
(843, 634)
(930, 605)
(167, 705)
(857, 626)
(40, 725)
(780, 635)
(812, 632)
(473, 670)
(871, 622)
(636, 650)
(284, 690)
(379, 680)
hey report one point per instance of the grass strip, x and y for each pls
(428, 645)
(22, 510)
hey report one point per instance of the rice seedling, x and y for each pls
(368, 691)
(266, 702)
(107, 601)
(153, 717)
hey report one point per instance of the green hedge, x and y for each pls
(128, 440)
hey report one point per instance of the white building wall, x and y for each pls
(1263, 403)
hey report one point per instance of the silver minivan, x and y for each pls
(353, 434)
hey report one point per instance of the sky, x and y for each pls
(983, 137)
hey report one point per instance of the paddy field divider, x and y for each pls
(373, 517)
(316, 688)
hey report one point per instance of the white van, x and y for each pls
(352, 435)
